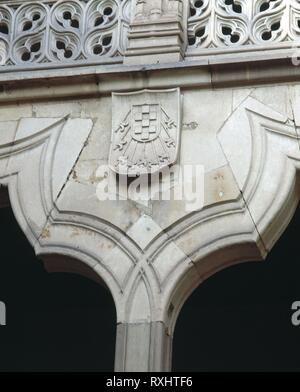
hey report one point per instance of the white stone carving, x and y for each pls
(145, 131)
(63, 31)
(152, 261)
(155, 9)
(157, 32)
(60, 32)
(150, 257)
(216, 24)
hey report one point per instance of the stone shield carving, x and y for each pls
(145, 131)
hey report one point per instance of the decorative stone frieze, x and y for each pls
(229, 26)
(66, 33)
(63, 32)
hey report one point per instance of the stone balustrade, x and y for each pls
(230, 26)
(53, 33)
(68, 32)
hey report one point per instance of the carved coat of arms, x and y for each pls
(145, 131)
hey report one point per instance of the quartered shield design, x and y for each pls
(145, 131)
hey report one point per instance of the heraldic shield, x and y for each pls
(145, 131)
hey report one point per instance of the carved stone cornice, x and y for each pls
(153, 265)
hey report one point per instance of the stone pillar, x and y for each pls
(156, 32)
(143, 347)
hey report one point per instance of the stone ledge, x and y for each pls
(92, 81)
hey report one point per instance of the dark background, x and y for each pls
(238, 320)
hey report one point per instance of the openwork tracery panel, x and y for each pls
(63, 31)
(240, 23)
(69, 32)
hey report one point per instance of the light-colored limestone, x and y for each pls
(57, 109)
(14, 112)
(7, 131)
(99, 142)
(166, 20)
(276, 97)
(152, 254)
(144, 230)
(28, 127)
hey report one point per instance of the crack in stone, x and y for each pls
(62, 188)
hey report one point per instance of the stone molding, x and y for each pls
(76, 33)
(150, 278)
(149, 257)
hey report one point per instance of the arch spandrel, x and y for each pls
(62, 119)
(37, 157)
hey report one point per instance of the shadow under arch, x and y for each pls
(240, 318)
(55, 322)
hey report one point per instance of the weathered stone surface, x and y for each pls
(57, 109)
(59, 131)
(15, 112)
(7, 131)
